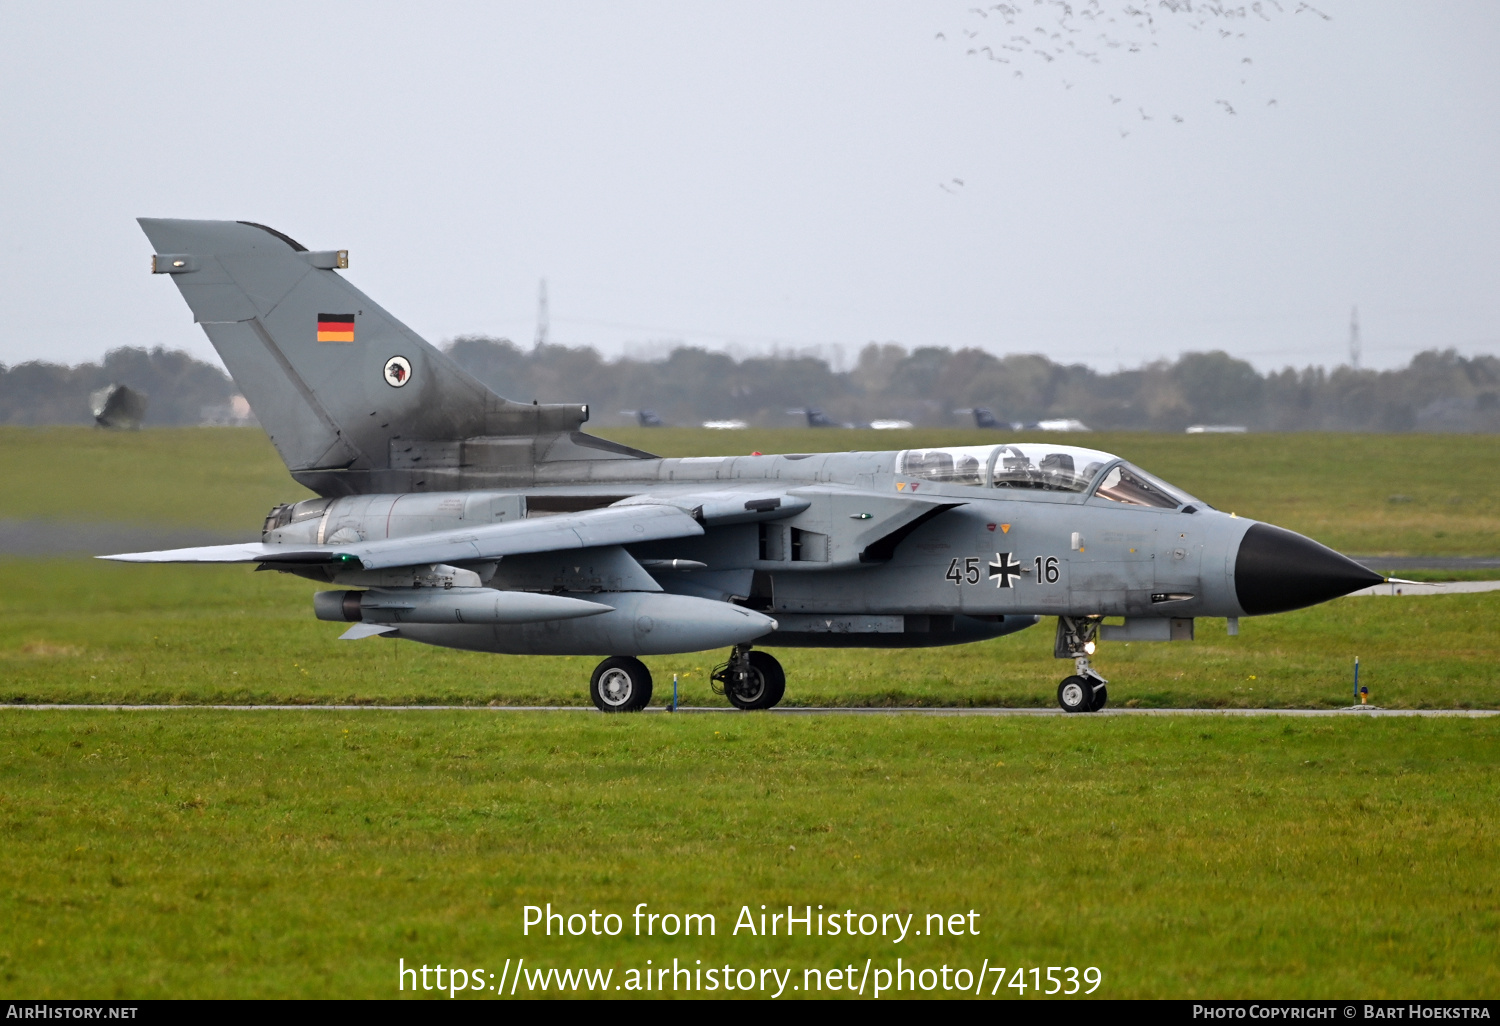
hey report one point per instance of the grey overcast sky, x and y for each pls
(758, 175)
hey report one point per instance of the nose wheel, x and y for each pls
(1080, 693)
(1085, 690)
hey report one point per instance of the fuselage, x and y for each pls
(1009, 532)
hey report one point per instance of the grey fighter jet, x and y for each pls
(452, 516)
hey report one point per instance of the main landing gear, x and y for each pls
(750, 680)
(621, 684)
(1085, 690)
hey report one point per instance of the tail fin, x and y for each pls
(353, 399)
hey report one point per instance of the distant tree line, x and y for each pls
(1436, 391)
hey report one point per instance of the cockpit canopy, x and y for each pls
(1042, 467)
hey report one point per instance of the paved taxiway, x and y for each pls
(1386, 564)
(1354, 711)
(1409, 589)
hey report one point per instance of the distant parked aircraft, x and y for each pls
(983, 418)
(118, 406)
(646, 418)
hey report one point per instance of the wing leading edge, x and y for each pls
(611, 526)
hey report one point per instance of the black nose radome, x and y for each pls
(1277, 570)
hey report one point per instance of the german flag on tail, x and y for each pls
(335, 327)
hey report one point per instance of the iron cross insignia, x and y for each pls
(1004, 568)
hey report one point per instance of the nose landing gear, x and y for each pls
(1085, 690)
(750, 680)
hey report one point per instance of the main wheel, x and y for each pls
(621, 684)
(764, 685)
(1075, 694)
(1100, 698)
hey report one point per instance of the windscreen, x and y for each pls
(1132, 486)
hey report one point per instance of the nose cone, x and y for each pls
(1277, 570)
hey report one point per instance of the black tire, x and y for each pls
(766, 685)
(621, 684)
(1101, 698)
(1075, 694)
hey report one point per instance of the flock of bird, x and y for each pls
(1053, 34)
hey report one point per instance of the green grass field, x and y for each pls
(213, 478)
(190, 853)
(302, 854)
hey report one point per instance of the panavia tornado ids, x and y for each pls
(455, 517)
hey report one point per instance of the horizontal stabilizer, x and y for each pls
(242, 552)
(589, 529)
(361, 631)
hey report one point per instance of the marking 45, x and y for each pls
(1004, 570)
(969, 572)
